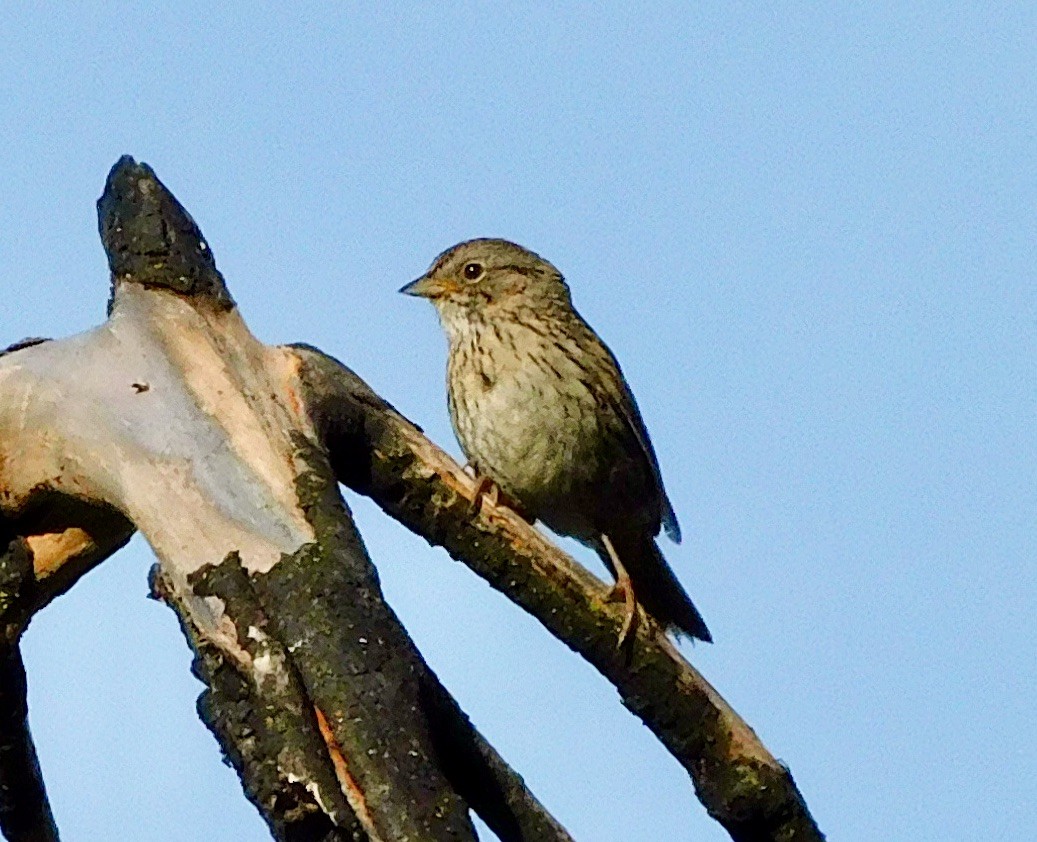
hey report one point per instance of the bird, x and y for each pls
(544, 414)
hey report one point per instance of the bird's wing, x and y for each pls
(625, 406)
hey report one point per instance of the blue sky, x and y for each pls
(806, 230)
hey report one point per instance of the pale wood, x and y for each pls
(173, 419)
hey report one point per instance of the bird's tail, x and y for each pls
(657, 588)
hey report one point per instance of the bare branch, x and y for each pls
(267, 730)
(490, 786)
(377, 452)
(34, 569)
(25, 814)
(173, 419)
(151, 240)
(64, 538)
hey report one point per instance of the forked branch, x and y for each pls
(171, 418)
(319, 697)
(379, 453)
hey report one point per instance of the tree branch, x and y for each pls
(378, 453)
(267, 731)
(151, 240)
(25, 814)
(64, 538)
(319, 697)
(34, 569)
(490, 786)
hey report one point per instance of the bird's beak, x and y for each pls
(426, 287)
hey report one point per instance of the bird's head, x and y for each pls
(486, 272)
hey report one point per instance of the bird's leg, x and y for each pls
(625, 587)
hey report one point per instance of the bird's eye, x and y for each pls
(473, 271)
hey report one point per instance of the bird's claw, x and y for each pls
(485, 488)
(624, 589)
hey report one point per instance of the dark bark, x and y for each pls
(316, 693)
(377, 452)
(21, 344)
(360, 670)
(25, 814)
(18, 587)
(268, 733)
(391, 702)
(150, 239)
(481, 776)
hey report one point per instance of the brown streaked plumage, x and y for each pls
(541, 408)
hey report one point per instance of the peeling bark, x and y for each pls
(267, 729)
(173, 419)
(378, 453)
